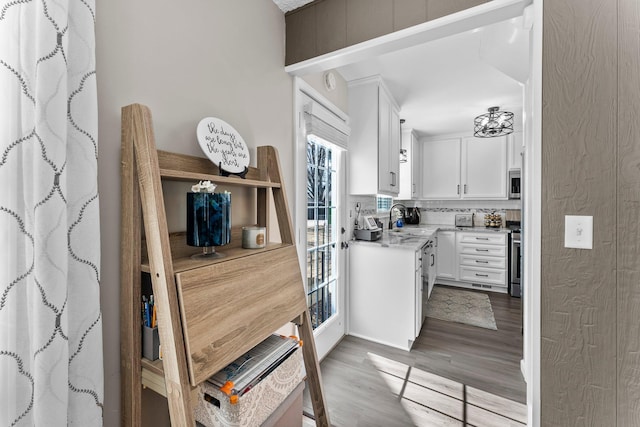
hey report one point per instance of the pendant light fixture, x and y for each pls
(492, 124)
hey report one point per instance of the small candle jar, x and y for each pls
(253, 237)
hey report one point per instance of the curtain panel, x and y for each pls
(51, 371)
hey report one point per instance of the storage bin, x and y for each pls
(150, 343)
(253, 408)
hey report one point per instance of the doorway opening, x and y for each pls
(486, 14)
(321, 151)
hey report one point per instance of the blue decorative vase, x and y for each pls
(208, 221)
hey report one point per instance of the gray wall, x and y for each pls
(328, 25)
(185, 60)
(591, 157)
(628, 219)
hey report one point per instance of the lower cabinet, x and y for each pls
(420, 287)
(446, 266)
(479, 260)
(385, 294)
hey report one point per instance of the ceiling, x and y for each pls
(443, 84)
(288, 5)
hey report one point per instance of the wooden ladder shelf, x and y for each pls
(209, 312)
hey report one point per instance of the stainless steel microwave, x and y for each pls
(514, 183)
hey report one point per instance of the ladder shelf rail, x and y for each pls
(209, 313)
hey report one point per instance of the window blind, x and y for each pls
(323, 124)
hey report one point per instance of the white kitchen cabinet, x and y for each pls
(441, 169)
(465, 168)
(389, 168)
(514, 142)
(446, 257)
(484, 168)
(482, 259)
(473, 259)
(374, 143)
(419, 289)
(384, 290)
(410, 178)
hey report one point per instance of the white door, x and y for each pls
(446, 267)
(386, 180)
(320, 219)
(441, 169)
(324, 266)
(514, 150)
(484, 168)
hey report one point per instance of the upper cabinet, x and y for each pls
(374, 143)
(441, 169)
(410, 176)
(484, 168)
(515, 150)
(465, 168)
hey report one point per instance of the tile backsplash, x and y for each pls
(440, 212)
(444, 212)
(448, 216)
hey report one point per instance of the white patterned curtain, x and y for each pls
(51, 371)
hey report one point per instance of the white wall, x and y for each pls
(185, 60)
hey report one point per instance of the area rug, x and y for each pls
(457, 305)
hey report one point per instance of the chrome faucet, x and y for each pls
(404, 209)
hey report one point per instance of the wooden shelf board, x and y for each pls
(183, 167)
(187, 263)
(177, 175)
(154, 366)
(153, 376)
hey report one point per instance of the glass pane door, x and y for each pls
(322, 227)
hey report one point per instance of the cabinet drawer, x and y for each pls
(483, 275)
(483, 261)
(483, 238)
(483, 250)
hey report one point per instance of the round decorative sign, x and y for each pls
(223, 145)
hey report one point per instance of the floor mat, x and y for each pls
(457, 305)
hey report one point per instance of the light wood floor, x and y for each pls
(455, 375)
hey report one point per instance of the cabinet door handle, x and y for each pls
(482, 262)
(482, 238)
(393, 179)
(482, 250)
(458, 188)
(414, 188)
(465, 189)
(433, 260)
(482, 275)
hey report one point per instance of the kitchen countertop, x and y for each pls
(449, 227)
(413, 237)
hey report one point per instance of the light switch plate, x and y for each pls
(578, 232)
